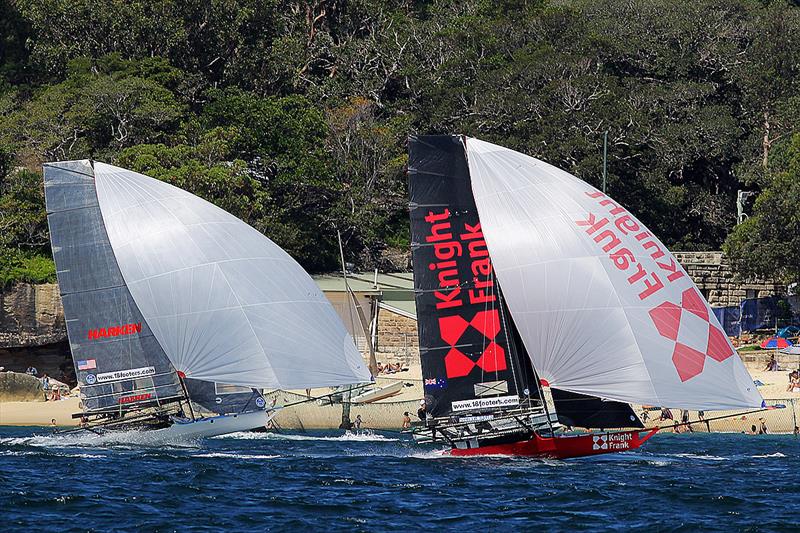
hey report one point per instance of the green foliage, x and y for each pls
(16, 265)
(767, 243)
(294, 115)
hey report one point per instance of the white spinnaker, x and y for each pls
(226, 303)
(586, 294)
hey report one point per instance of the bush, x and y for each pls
(16, 265)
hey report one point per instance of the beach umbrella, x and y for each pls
(776, 342)
(792, 350)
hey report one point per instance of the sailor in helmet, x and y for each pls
(421, 411)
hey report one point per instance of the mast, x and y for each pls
(346, 423)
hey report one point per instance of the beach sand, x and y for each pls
(39, 413)
(388, 413)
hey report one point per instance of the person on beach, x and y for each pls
(772, 365)
(406, 420)
(31, 371)
(685, 420)
(762, 430)
(794, 382)
(46, 386)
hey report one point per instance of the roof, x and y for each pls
(396, 289)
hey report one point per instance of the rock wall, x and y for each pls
(397, 339)
(715, 279)
(31, 315)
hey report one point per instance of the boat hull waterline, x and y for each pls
(564, 446)
(190, 430)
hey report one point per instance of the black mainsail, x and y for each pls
(469, 352)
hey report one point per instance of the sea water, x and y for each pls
(323, 481)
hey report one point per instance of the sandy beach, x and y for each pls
(387, 414)
(39, 413)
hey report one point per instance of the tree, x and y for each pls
(767, 243)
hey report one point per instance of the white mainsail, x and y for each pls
(602, 306)
(225, 303)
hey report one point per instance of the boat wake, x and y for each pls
(115, 439)
(347, 437)
(226, 455)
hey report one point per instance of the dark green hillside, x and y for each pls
(294, 115)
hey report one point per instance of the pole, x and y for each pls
(346, 424)
(605, 159)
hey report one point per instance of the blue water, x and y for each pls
(325, 481)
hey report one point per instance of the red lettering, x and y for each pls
(593, 223)
(652, 288)
(611, 244)
(448, 300)
(114, 331)
(447, 250)
(479, 296)
(475, 232)
(625, 224)
(623, 258)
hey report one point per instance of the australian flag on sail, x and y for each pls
(87, 364)
(435, 383)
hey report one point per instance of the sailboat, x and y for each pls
(544, 305)
(177, 312)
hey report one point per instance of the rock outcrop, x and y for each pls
(31, 315)
(16, 387)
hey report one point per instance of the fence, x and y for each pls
(782, 420)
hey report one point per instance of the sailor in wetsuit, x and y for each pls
(421, 411)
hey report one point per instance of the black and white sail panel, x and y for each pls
(467, 364)
(117, 360)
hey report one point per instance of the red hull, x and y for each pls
(565, 446)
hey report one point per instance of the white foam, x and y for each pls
(224, 455)
(347, 437)
(696, 456)
(769, 455)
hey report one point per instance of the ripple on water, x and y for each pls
(330, 481)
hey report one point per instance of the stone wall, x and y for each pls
(31, 315)
(397, 339)
(715, 279)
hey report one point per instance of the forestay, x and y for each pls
(602, 306)
(225, 303)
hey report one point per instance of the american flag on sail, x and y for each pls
(87, 364)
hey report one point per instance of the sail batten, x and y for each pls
(602, 306)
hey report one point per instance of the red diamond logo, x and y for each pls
(487, 322)
(688, 361)
(718, 346)
(457, 364)
(451, 328)
(493, 358)
(693, 302)
(667, 318)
